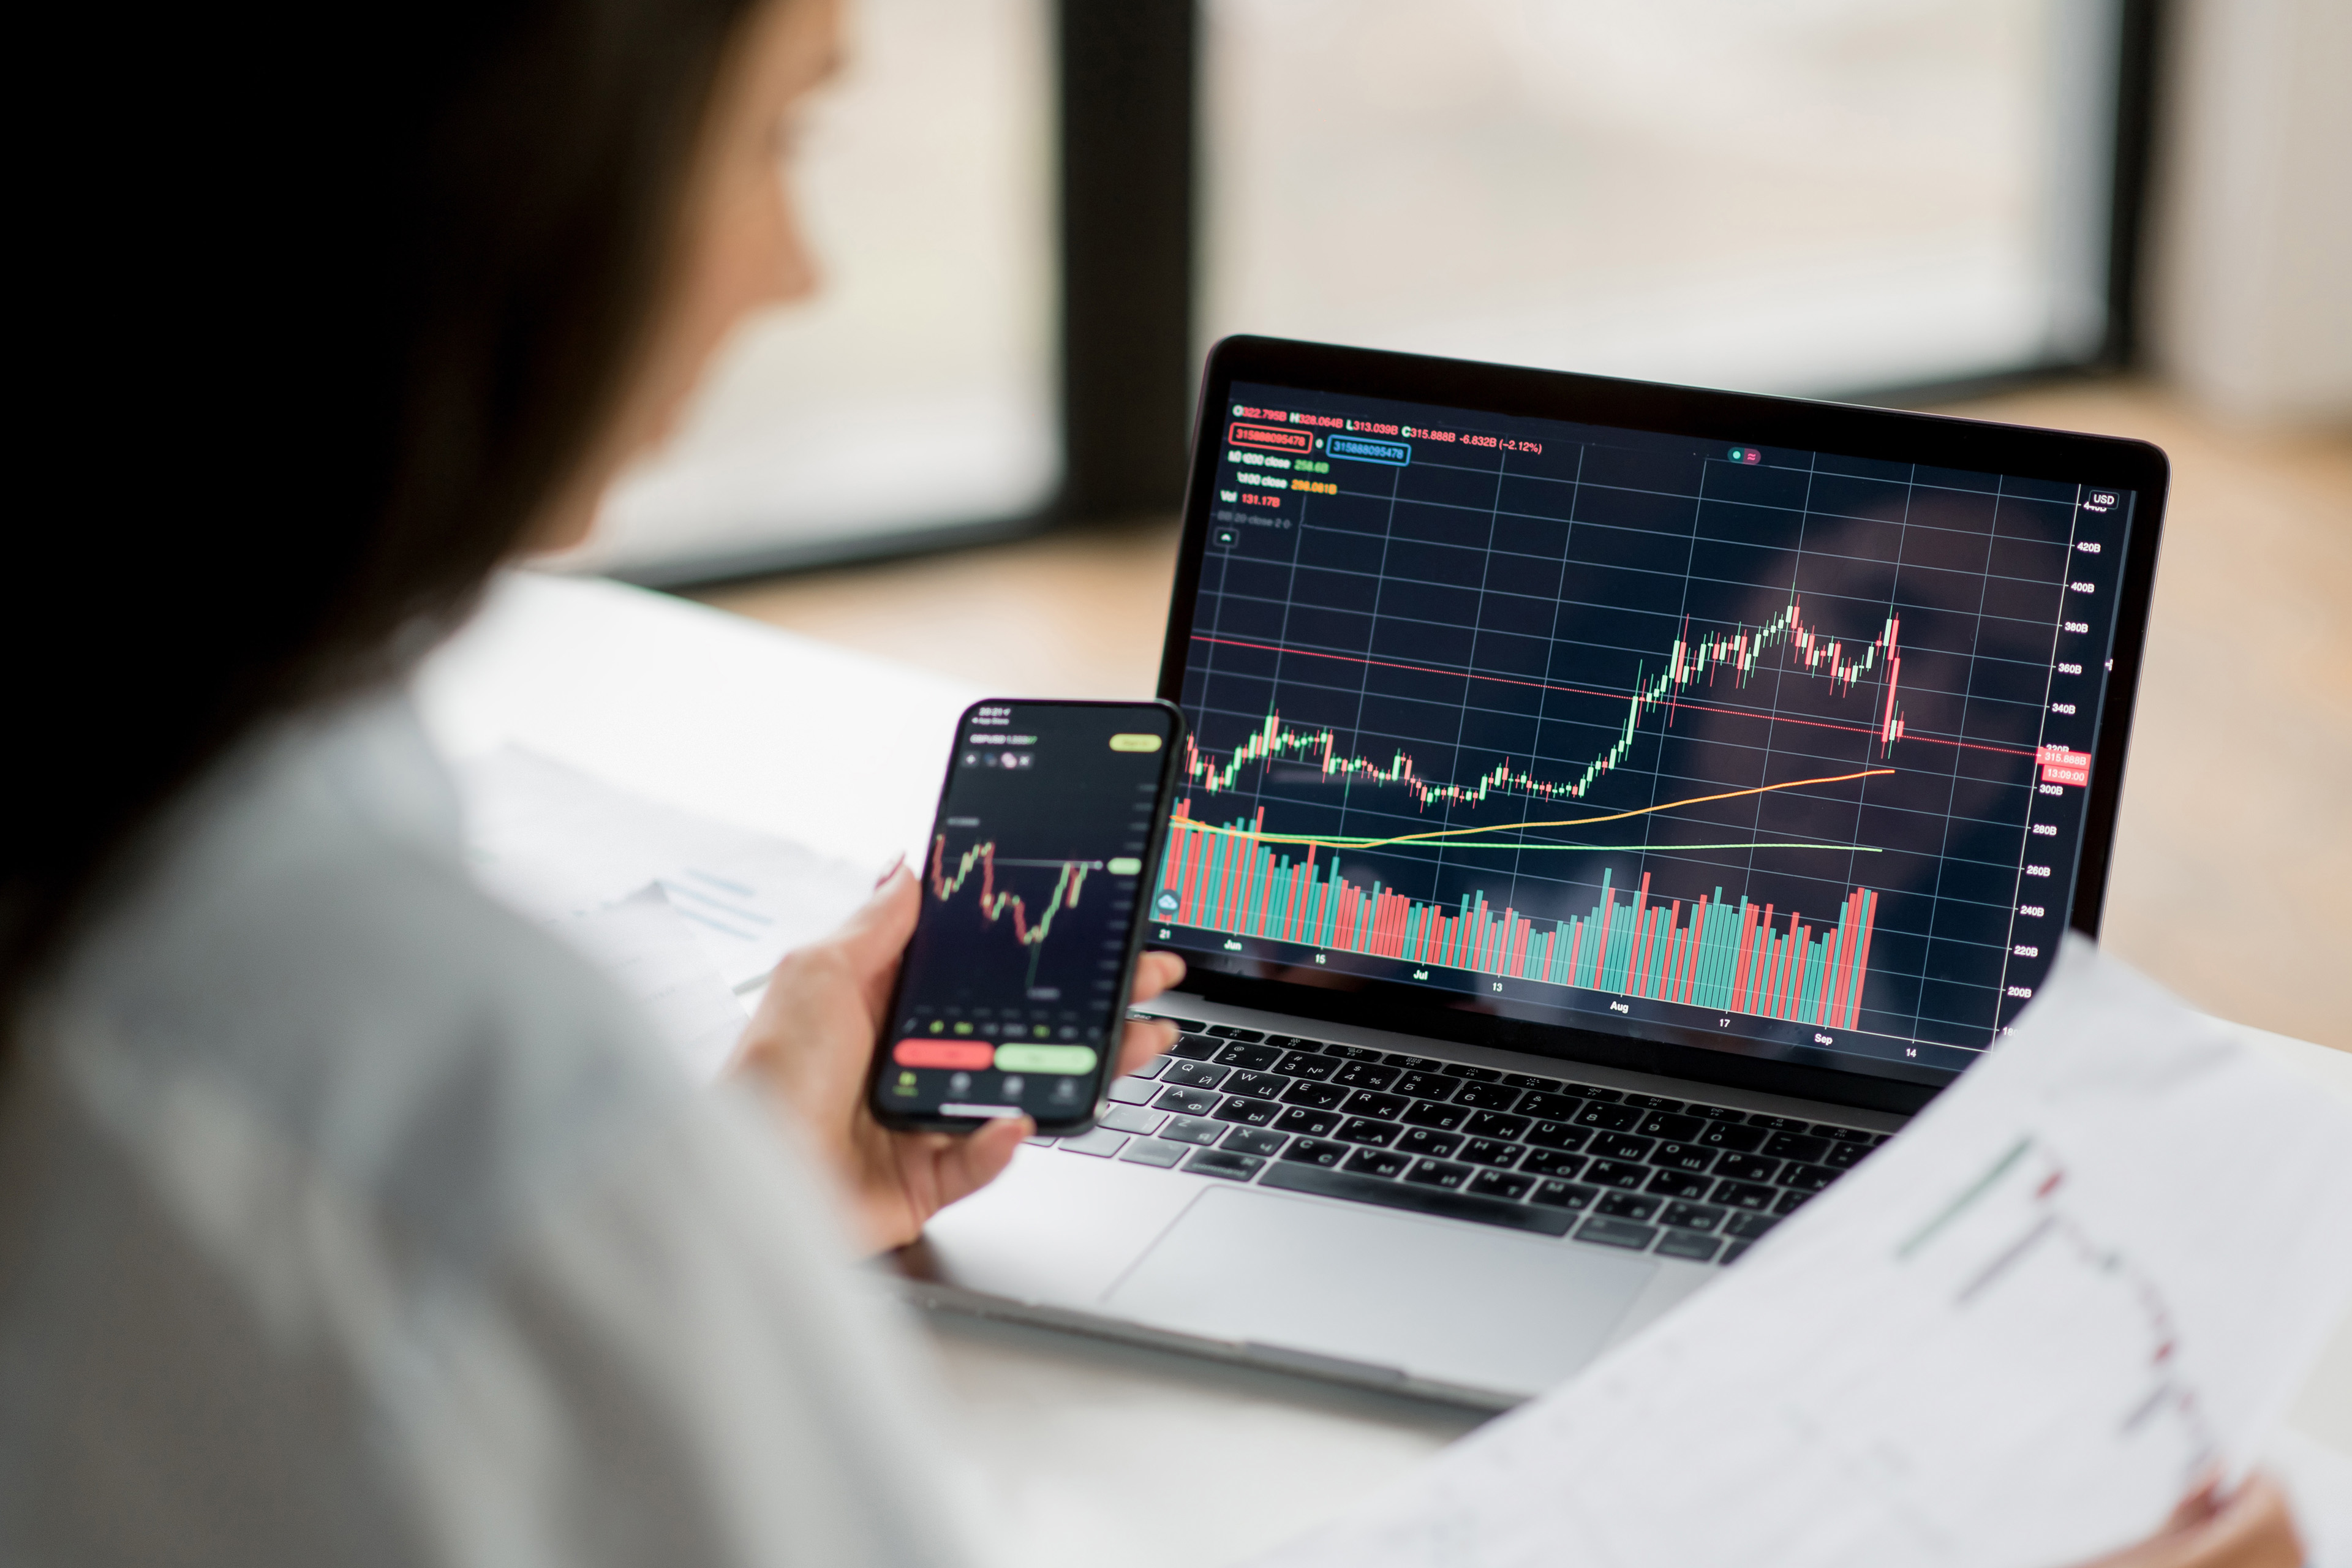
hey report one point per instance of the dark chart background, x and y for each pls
(1500, 604)
(1012, 979)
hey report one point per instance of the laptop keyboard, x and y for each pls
(1637, 1172)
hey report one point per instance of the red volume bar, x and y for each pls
(1709, 953)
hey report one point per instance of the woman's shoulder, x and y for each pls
(309, 953)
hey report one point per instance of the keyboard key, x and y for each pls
(1315, 1152)
(1424, 1085)
(1040, 1142)
(1439, 1173)
(1487, 1096)
(1549, 1106)
(1724, 1135)
(1196, 1047)
(1742, 1194)
(1352, 1053)
(1666, 1124)
(1379, 1163)
(1747, 1167)
(1694, 1216)
(1225, 1162)
(1314, 1123)
(1417, 1199)
(1155, 1152)
(1609, 1117)
(1552, 1163)
(1690, 1244)
(1680, 1184)
(1192, 1129)
(1364, 1129)
(1626, 1205)
(1473, 1074)
(1412, 1064)
(1556, 1135)
(1369, 1102)
(1153, 1068)
(1616, 1173)
(1489, 1152)
(1608, 1095)
(1316, 1096)
(1807, 1178)
(1253, 1141)
(1622, 1146)
(1425, 1140)
(1431, 1113)
(1195, 1075)
(1295, 1043)
(1795, 1146)
(1654, 1102)
(1190, 1102)
(1617, 1233)
(1306, 1064)
(1789, 1203)
(1189, 1025)
(1366, 1074)
(1231, 1032)
(1777, 1123)
(1501, 1183)
(1733, 1253)
(1749, 1227)
(1102, 1143)
(1133, 1118)
(1846, 1156)
(1717, 1113)
(1132, 1091)
(1257, 1085)
(1562, 1194)
(1250, 1112)
(1494, 1124)
(1529, 1080)
(1840, 1134)
(1255, 1057)
(1682, 1157)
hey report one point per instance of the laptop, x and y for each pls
(1610, 811)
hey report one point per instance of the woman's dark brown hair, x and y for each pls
(331, 304)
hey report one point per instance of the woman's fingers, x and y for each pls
(1141, 1042)
(2252, 1528)
(1155, 972)
(972, 1162)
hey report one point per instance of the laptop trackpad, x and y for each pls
(1461, 1303)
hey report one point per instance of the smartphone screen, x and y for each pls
(1013, 992)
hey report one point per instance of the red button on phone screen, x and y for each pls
(966, 1054)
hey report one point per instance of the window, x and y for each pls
(1821, 197)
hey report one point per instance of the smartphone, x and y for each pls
(1013, 992)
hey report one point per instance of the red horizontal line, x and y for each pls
(1611, 696)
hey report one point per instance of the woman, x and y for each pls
(343, 1216)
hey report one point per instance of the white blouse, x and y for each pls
(346, 1217)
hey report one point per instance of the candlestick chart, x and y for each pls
(999, 907)
(1611, 723)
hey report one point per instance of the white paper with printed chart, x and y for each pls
(2094, 1268)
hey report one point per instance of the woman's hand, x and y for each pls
(810, 1045)
(2248, 1529)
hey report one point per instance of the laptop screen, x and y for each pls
(1782, 752)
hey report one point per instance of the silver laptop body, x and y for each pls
(1457, 1106)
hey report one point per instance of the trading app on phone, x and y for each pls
(1012, 991)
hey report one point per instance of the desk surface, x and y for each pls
(1083, 1446)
